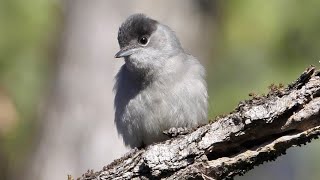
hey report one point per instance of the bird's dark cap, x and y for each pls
(135, 26)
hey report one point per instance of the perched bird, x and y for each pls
(160, 86)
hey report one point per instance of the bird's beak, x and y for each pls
(125, 52)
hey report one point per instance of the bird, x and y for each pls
(159, 86)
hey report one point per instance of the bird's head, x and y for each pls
(146, 44)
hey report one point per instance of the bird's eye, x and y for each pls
(143, 40)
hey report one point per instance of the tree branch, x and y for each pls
(258, 130)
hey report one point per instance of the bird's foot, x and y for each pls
(175, 132)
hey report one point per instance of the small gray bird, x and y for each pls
(159, 87)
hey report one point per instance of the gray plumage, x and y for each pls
(159, 86)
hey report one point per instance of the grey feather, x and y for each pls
(158, 87)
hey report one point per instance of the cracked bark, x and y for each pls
(258, 130)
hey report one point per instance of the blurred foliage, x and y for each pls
(26, 27)
(257, 43)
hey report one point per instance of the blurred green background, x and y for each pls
(256, 43)
(26, 31)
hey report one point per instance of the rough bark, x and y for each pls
(258, 130)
